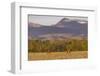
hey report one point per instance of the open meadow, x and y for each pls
(58, 55)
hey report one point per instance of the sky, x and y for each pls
(50, 20)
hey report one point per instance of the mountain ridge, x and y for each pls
(64, 26)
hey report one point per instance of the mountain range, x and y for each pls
(65, 28)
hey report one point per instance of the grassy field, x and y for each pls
(57, 55)
(57, 49)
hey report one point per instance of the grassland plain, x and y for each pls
(57, 55)
(57, 49)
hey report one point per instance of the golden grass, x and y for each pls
(57, 55)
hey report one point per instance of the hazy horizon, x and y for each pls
(50, 20)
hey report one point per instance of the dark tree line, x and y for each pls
(57, 45)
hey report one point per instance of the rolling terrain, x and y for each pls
(65, 28)
(66, 39)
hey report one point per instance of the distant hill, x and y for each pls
(65, 28)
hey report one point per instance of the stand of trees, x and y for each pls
(57, 45)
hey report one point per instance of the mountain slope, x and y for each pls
(65, 28)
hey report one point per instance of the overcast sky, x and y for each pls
(49, 20)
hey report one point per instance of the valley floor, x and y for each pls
(57, 55)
